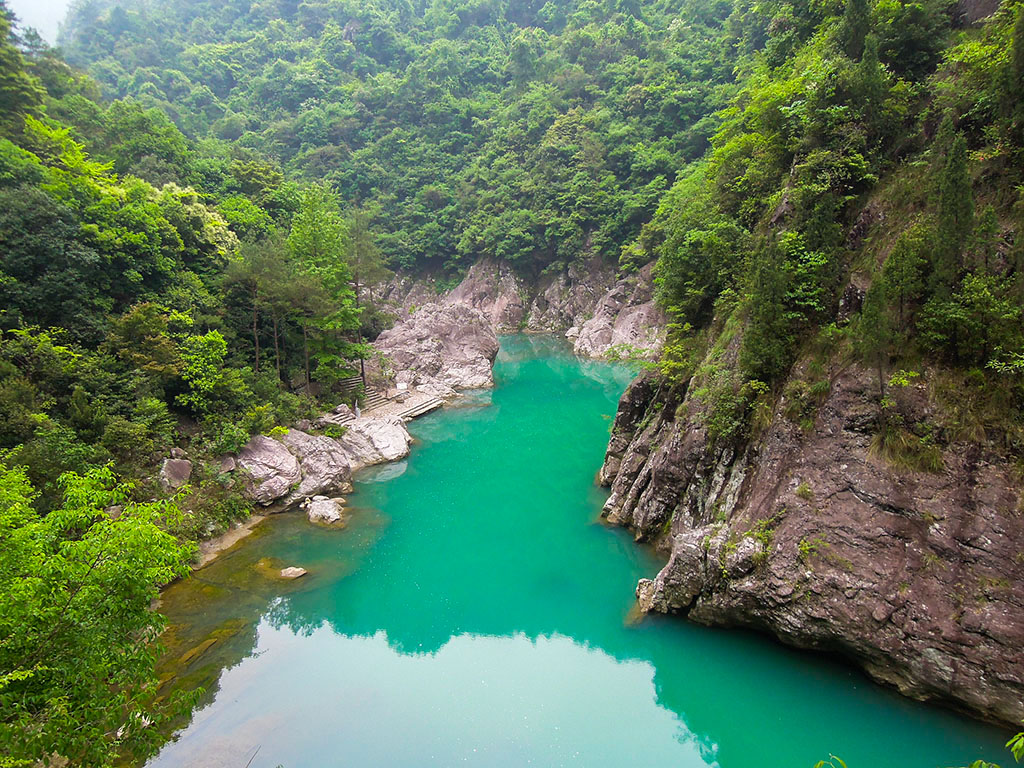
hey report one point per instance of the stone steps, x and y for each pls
(374, 400)
(339, 419)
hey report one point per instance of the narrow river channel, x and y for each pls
(476, 612)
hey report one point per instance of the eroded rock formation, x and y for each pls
(441, 348)
(599, 312)
(805, 533)
(625, 319)
(299, 466)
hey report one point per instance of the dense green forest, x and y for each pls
(192, 193)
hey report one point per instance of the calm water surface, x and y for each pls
(476, 612)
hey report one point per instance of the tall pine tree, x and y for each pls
(956, 219)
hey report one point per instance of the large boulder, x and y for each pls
(323, 463)
(174, 473)
(273, 468)
(321, 509)
(303, 465)
(375, 441)
(452, 344)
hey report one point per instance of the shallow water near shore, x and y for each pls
(474, 611)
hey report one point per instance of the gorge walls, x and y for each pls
(806, 532)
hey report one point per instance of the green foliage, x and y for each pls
(854, 27)
(903, 274)
(956, 219)
(78, 635)
(903, 449)
(335, 431)
(212, 387)
(767, 344)
(20, 93)
(981, 317)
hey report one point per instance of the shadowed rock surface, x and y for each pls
(175, 473)
(804, 533)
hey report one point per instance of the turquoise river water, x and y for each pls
(475, 611)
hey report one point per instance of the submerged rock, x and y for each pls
(321, 509)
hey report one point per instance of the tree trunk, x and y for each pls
(277, 348)
(305, 351)
(255, 329)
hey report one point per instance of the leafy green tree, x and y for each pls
(20, 93)
(263, 273)
(213, 388)
(956, 219)
(969, 326)
(319, 239)
(854, 28)
(767, 343)
(903, 273)
(140, 338)
(363, 257)
(77, 634)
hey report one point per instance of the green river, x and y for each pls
(475, 611)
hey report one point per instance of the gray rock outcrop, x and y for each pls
(453, 346)
(606, 312)
(302, 465)
(323, 510)
(626, 319)
(805, 533)
(175, 473)
(495, 291)
(272, 467)
(324, 464)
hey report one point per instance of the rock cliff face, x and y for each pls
(598, 312)
(441, 348)
(804, 533)
(625, 318)
(299, 466)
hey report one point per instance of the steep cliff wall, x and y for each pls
(804, 532)
(598, 311)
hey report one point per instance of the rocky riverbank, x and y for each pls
(805, 532)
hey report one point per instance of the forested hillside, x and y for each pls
(527, 131)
